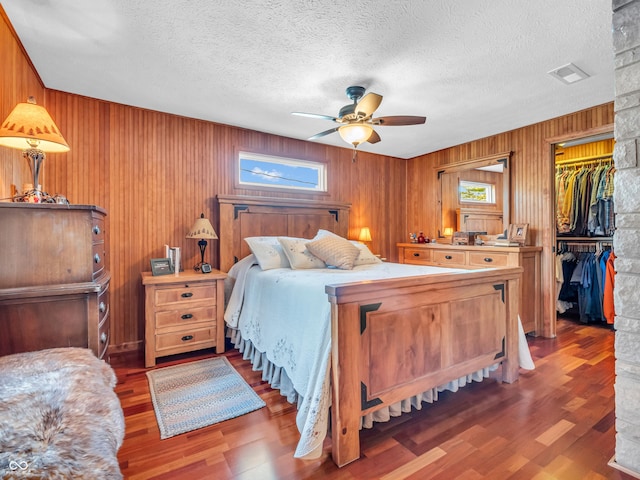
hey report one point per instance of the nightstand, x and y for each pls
(183, 313)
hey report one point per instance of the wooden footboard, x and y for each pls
(392, 339)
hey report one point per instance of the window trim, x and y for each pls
(321, 187)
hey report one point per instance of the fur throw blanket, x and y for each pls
(59, 416)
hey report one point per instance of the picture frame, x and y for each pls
(161, 266)
(518, 233)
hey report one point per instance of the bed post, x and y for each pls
(345, 407)
(511, 365)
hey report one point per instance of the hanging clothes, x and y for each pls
(584, 199)
(582, 280)
(609, 284)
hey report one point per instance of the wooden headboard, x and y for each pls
(247, 216)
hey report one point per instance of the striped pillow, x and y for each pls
(335, 251)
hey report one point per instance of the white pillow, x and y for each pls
(296, 252)
(325, 233)
(268, 252)
(334, 251)
(365, 257)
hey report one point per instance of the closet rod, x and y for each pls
(592, 159)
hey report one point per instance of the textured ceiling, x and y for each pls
(474, 68)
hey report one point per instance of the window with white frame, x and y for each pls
(266, 171)
(476, 192)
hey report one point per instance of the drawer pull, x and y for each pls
(187, 316)
(488, 259)
(96, 258)
(186, 338)
(187, 295)
(96, 229)
(103, 337)
(448, 257)
(102, 307)
(416, 254)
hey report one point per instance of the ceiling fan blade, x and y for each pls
(315, 115)
(322, 134)
(398, 120)
(369, 103)
(374, 138)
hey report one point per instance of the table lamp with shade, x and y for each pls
(30, 127)
(365, 235)
(202, 230)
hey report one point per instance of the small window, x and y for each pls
(475, 192)
(264, 171)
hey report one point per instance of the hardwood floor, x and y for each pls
(556, 422)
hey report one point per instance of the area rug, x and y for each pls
(194, 395)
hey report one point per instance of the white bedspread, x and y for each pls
(294, 331)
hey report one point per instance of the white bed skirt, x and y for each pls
(278, 379)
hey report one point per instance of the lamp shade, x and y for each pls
(365, 235)
(355, 133)
(448, 231)
(30, 126)
(202, 229)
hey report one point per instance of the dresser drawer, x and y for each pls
(417, 255)
(488, 259)
(185, 316)
(97, 228)
(185, 339)
(103, 304)
(185, 293)
(446, 257)
(97, 259)
(104, 336)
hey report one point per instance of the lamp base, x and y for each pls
(35, 157)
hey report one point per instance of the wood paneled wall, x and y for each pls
(19, 81)
(155, 173)
(532, 185)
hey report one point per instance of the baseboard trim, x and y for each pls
(613, 464)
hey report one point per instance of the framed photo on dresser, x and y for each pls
(161, 266)
(518, 233)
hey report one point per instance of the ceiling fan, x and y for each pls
(355, 119)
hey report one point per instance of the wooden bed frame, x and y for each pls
(391, 339)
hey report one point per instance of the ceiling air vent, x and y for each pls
(568, 74)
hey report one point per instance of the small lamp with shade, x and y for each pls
(202, 230)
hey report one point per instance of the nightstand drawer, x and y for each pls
(445, 257)
(488, 259)
(186, 339)
(185, 316)
(417, 255)
(185, 293)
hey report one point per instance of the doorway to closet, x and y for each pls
(584, 226)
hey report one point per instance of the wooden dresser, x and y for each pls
(183, 312)
(463, 256)
(54, 285)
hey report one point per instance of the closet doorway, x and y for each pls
(582, 224)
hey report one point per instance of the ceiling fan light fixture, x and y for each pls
(355, 133)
